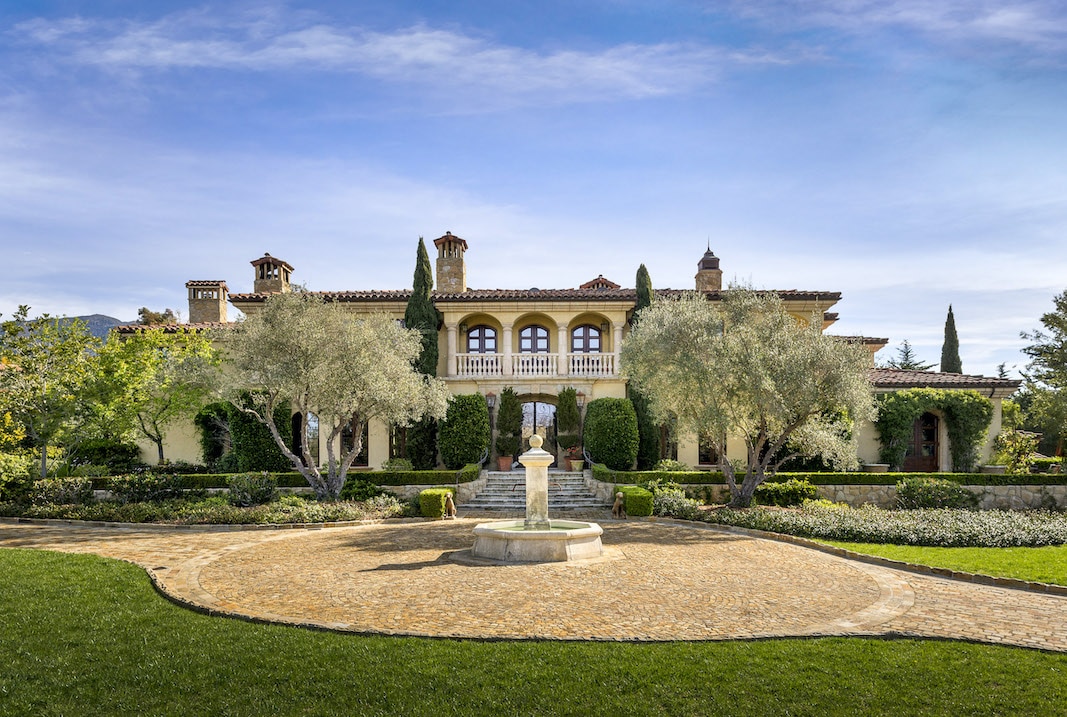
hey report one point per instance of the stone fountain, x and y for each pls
(537, 539)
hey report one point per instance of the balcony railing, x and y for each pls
(534, 365)
(591, 365)
(478, 365)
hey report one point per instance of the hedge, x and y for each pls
(432, 502)
(606, 475)
(638, 500)
(294, 480)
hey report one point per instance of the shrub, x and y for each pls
(1015, 450)
(252, 444)
(670, 465)
(787, 493)
(923, 492)
(247, 489)
(568, 419)
(421, 444)
(464, 433)
(15, 472)
(675, 504)
(146, 487)
(397, 464)
(360, 489)
(62, 491)
(1047, 465)
(432, 502)
(91, 471)
(638, 500)
(118, 456)
(610, 434)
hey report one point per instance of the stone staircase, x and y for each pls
(506, 491)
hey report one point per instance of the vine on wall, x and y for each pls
(967, 417)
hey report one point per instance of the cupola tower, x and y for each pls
(709, 276)
(451, 270)
(272, 275)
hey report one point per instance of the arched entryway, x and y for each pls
(539, 417)
(922, 454)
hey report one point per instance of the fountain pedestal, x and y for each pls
(537, 539)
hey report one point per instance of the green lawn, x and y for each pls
(1046, 564)
(88, 636)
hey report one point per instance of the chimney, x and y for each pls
(272, 275)
(207, 301)
(451, 271)
(709, 276)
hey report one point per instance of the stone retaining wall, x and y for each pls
(990, 497)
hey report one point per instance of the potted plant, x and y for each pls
(568, 422)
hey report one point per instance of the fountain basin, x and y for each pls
(566, 540)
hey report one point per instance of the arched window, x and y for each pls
(585, 340)
(533, 340)
(481, 340)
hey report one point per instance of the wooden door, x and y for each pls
(923, 451)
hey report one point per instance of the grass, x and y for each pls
(86, 635)
(1046, 564)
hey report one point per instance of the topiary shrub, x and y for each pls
(568, 419)
(464, 434)
(926, 492)
(610, 434)
(248, 489)
(62, 491)
(421, 445)
(432, 502)
(786, 493)
(638, 500)
(253, 445)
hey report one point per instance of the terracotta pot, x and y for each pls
(503, 463)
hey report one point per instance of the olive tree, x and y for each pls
(746, 368)
(345, 369)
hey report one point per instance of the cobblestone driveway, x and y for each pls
(657, 582)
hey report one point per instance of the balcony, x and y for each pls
(580, 365)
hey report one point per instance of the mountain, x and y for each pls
(99, 325)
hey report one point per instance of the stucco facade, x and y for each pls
(535, 341)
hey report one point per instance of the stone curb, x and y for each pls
(206, 528)
(976, 578)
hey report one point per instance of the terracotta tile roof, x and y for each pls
(450, 237)
(205, 282)
(171, 328)
(897, 378)
(600, 283)
(533, 295)
(268, 259)
(865, 340)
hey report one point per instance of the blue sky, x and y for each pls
(908, 154)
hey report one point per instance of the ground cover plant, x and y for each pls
(216, 509)
(1046, 564)
(85, 635)
(943, 527)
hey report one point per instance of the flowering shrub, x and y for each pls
(926, 492)
(62, 491)
(936, 527)
(670, 465)
(247, 489)
(673, 503)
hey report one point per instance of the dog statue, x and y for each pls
(450, 507)
(619, 509)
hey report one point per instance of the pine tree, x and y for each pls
(648, 450)
(906, 359)
(950, 350)
(421, 444)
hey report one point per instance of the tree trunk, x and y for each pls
(44, 461)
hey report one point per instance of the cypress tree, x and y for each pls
(648, 449)
(420, 314)
(950, 350)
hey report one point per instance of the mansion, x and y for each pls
(539, 341)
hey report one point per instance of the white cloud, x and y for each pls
(1039, 25)
(444, 61)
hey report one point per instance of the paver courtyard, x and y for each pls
(657, 582)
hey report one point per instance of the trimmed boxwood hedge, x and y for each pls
(432, 502)
(606, 475)
(638, 500)
(295, 480)
(610, 433)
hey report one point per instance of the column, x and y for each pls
(562, 346)
(507, 350)
(453, 333)
(616, 347)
